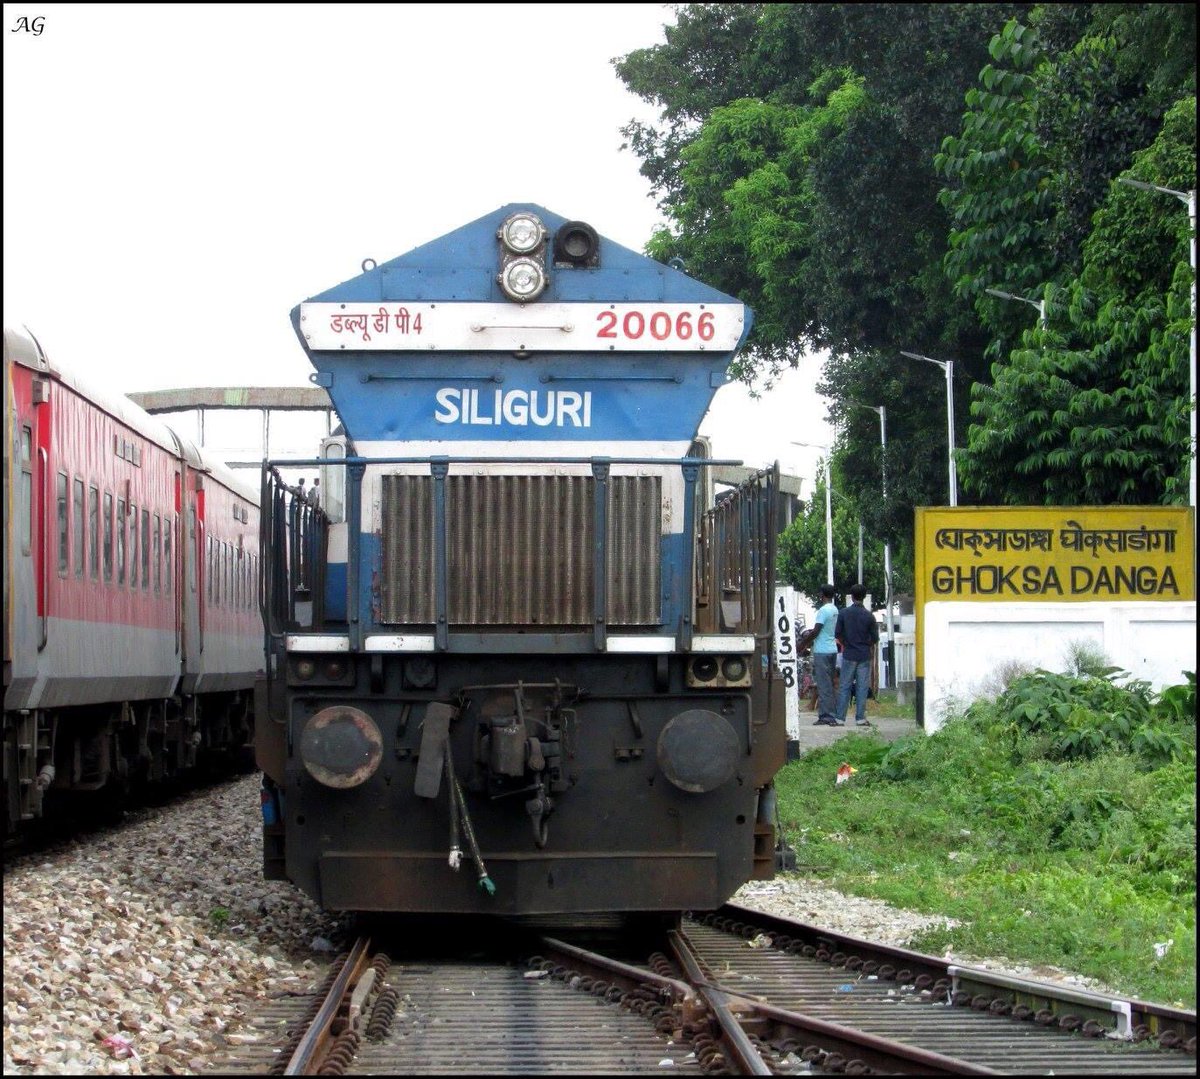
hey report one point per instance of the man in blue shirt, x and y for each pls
(859, 634)
(824, 649)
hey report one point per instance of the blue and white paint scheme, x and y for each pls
(425, 356)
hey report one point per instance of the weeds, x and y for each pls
(1085, 657)
(1057, 823)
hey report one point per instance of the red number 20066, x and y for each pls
(660, 325)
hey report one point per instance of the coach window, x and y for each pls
(133, 545)
(80, 525)
(157, 553)
(94, 532)
(108, 536)
(146, 549)
(26, 488)
(208, 566)
(120, 541)
(63, 524)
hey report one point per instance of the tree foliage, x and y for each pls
(803, 553)
(1094, 409)
(861, 174)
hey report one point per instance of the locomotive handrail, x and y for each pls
(733, 552)
(479, 459)
(292, 546)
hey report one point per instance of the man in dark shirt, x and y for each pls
(858, 635)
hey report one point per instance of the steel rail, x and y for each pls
(622, 973)
(309, 1052)
(1126, 1017)
(735, 1042)
(882, 1054)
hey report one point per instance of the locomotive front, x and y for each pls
(516, 663)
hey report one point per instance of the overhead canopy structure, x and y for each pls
(265, 399)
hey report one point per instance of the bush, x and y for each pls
(1057, 822)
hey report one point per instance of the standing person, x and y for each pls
(824, 654)
(313, 498)
(858, 633)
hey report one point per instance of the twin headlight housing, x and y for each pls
(319, 670)
(523, 242)
(718, 672)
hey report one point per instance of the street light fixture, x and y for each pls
(1039, 304)
(1188, 198)
(948, 367)
(828, 506)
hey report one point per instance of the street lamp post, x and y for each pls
(828, 507)
(948, 367)
(887, 547)
(1188, 198)
(1039, 304)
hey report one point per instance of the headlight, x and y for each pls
(305, 669)
(335, 669)
(522, 280)
(341, 747)
(522, 233)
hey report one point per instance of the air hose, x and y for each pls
(486, 884)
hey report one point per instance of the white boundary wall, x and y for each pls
(966, 642)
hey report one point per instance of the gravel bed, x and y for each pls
(806, 899)
(159, 935)
(142, 950)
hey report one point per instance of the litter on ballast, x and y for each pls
(120, 1046)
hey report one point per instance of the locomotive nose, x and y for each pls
(341, 747)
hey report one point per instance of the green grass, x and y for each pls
(888, 706)
(1057, 823)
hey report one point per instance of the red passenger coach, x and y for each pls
(131, 627)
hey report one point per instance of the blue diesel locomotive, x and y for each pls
(517, 632)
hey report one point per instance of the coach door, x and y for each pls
(175, 567)
(198, 546)
(43, 498)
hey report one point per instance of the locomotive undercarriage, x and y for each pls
(94, 756)
(526, 781)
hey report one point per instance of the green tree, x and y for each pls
(803, 557)
(793, 162)
(1094, 409)
(816, 160)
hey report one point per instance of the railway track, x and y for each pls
(733, 992)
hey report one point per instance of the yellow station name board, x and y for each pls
(1061, 554)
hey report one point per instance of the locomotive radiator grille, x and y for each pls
(520, 550)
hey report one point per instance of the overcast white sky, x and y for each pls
(178, 177)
